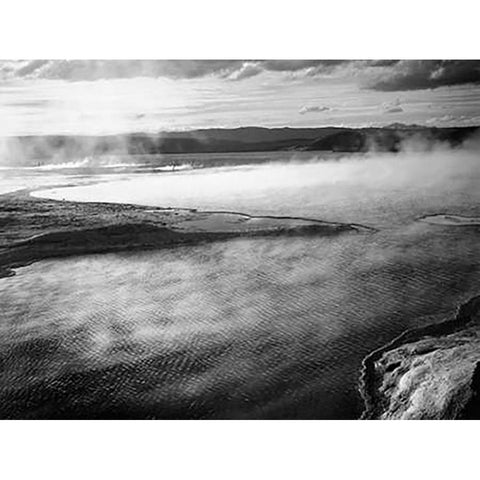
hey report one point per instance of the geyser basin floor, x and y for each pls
(37, 229)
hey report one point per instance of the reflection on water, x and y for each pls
(257, 328)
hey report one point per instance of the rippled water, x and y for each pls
(257, 328)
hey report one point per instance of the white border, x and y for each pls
(237, 450)
(246, 29)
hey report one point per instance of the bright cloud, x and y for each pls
(100, 96)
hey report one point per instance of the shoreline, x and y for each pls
(39, 228)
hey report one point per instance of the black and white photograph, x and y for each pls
(230, 238)
(266, 239)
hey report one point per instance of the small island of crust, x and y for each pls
(451, 220)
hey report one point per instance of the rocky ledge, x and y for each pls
(428, 373)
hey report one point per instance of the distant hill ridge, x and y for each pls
(26, 149)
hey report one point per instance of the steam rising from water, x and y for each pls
(265, 328)
(275, 186)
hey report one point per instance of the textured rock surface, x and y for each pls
(430, 373)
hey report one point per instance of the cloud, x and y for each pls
(392, 107)
(78, 70)
(382, 63)
(425, 74)
(34, 103)
(313, 109)
(454, 120)
(442, 119)
(247, 70)
(295, 65)
(30, 67)
(380, 75)
(307, 67)
(394, 110)
(90, 70)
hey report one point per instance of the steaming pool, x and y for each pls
(246, 328)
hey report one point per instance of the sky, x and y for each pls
(117, 96)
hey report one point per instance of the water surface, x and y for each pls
(251, 328)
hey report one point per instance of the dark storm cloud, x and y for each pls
(422, 74)
(295, 65)
(382, 63)
(381, 75)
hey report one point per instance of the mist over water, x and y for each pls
(259, 328)
(354, 188)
